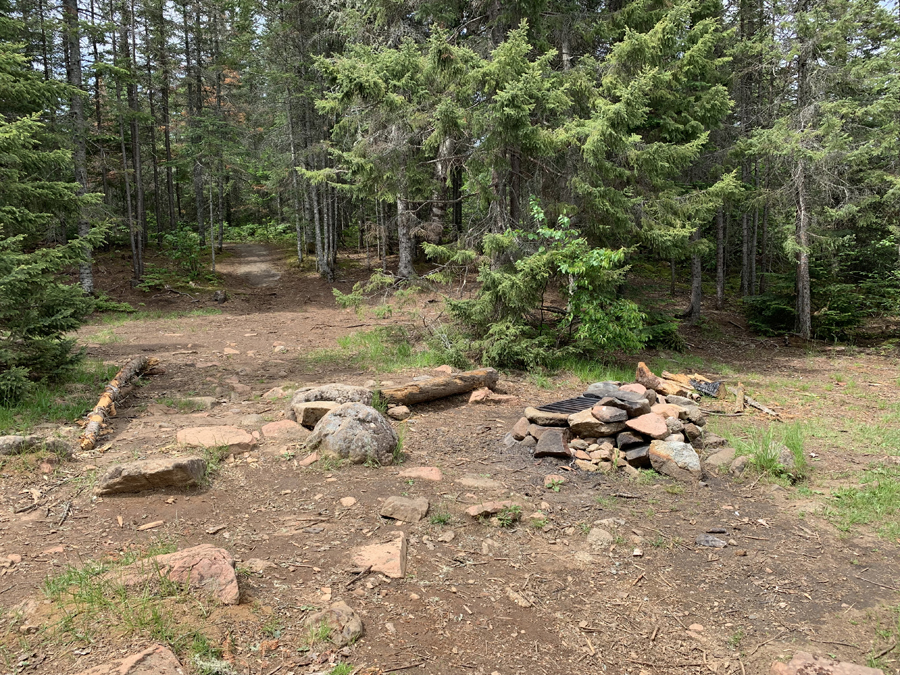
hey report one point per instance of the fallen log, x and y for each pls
(441, 387)
(759, 406)
(106, 406)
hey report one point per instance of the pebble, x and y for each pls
(696, 627)
(710, 541)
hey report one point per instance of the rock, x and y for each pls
(599, 538)
(546, 419)
(479, 482)
(309, 460)
(578, 444)
(667, 410)
(682, 401)
(251, 420)
(520, 428)
(693, 432)
(486, 396)
(309, 413)
(638, 456)
(529, 443)
(233, 439)
(356, 432)
(696, 628)
(553, 480)
(612, 390)
(695, 415)
(721, 458)
(155, 660)
(444, 370)
(553, 443)
(201, 402)
(517, 598)
(152, 474)
(257, 565)
(423, 473)
(627, 439)
(586, 465)
(345, 624)
(608, 414)
(652, 397)
(711, 442)
(405, 509)
(710, 541)
(487, 509)
(276, 393)
(339, 393)
(674, 438)
(651, 425)
(204, 567)
(804, 663)
(347, 502)
(398, 412)
(632, 408)
(584, 423)
(739, 465)
(536, 430)
(602, 452)
(17, 445)
(240, 389)
(447, 537)
(785, 457)
(645, 377)
(580, 454)
(636, 388)
(678, 460)
(674, 425)
(388, 558)
(286, 430)
(279, 349)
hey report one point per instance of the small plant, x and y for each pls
(658, 541)
(735, 639)
(273, 627)
(205, 665)
(509, 515)
(318, 634)
(398, 449)
(439, 518)
(379, 402)
(554, 484)
(342, 669)
(539, 523)
(778, 455)
(674, 489)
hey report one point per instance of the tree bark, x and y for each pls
(804, 300)
(74, 77)
(720, 259)
(405, 268)
(696, 279)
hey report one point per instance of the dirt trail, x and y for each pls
(255, 264)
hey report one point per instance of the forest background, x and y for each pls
(556, 148)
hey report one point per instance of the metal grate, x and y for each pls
(571, 405)
(708, 388)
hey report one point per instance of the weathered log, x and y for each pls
(739, 398)
(759, 406)
(106, 406)
(643, 375)
(441, 387)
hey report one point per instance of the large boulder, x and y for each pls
(678, 460)
(356, 432)
(152, 474)
(339, 393)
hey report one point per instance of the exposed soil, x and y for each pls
(789, 581)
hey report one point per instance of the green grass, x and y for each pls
(589, 371)
(439, 518)
(58, 402)
(342, 669)
(119, 318)
(875, 502)
(383, 350)
(764, 447)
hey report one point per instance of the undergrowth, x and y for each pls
(875, 501)
(776, 451)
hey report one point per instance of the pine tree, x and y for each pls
(37, 306)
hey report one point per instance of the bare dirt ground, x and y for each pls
(790, 581)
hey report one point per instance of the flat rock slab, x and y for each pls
(651, 425)
(423, 473)
(405, 509)
(631, 408)
(308, 414)
(388, 558)
(17, 445)
(804, 663)
(487, 509)
(586, 424)
(152, 474)
(287, 430)
(235, 439)
(204, 567)
(554, 443)
(335, 393)
(155, 660)
(344, 622)
(608, 414)
(546, 419)
(479, 482)
(721, 458)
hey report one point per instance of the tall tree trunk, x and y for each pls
(131, 90)
(98, 111)
(804, 301)
(295, 179)
(153, 157)
(405, 268)
(73, 75)
(720, 259)
(515, 187)
(167, 126)
(696, 279)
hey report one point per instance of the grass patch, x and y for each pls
(62, 401)
(875, 502)
(439, 518)
(589, 371)
(119, 318)
(776, 450)
(87, 604)
(384, 350)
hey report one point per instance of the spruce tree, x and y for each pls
(37, 304)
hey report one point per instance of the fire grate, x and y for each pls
(571, 405)
(708, 388)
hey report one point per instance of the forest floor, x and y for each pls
(803, 574)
